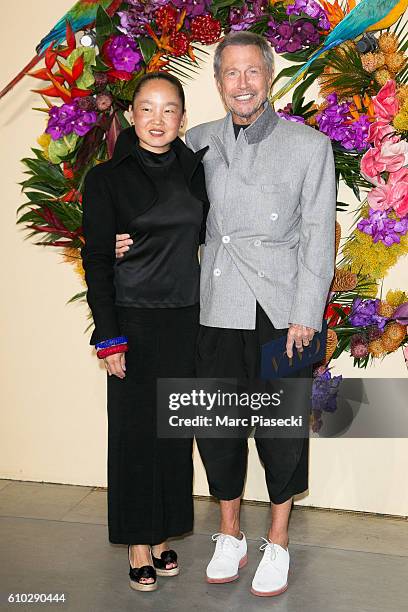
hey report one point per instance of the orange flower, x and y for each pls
(362, 106)
(334, 11)
(64, 75)
(164, 44)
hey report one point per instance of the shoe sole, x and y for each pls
(174, 571)
(242, 563)
(269, 593)
(137, 586)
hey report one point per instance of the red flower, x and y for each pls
(333, 316)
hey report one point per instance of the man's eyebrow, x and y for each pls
(248, 67)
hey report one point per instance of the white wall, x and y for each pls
(53, 398)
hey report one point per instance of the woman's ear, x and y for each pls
(130, 111)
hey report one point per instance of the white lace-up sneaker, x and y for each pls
(230, 554)
(271, 577)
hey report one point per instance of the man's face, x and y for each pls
(244, 82)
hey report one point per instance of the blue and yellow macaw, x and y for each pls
(367, 16)
(82, 15)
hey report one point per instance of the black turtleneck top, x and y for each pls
(161, 268)
(161, 201)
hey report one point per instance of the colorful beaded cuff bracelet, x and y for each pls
(112, 342)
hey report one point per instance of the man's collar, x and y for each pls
(261, 127)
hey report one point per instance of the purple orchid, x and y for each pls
(288, 38)
(193, 8)
(382, 227)
(133, 21)
(324, 392)
(124, 53)
(365, 313)
(289, 117)
(68, 118)
(337, 123)
(311, 9)
(244, 17)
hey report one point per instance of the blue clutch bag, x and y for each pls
(276, 364)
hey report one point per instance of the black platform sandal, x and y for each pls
(167, 556)
(136, 573)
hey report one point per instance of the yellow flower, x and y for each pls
(396, 297)
(372, 259)
(44, 142)
(400, 121)
(73, 256)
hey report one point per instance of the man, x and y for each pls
(266, 269)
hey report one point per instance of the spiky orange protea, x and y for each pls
(388, 42)
(385, 310)
(382, 76)
(376, 348)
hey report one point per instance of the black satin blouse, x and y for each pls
(161, 268)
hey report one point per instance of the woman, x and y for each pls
(145, 305)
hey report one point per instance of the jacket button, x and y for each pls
(261, 273)
(226, 239)
(257, 243)
(274, 216)
(217, 272)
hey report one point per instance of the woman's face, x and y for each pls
(157, 115)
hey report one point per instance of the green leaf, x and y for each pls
(87, 78)
(57, 149)
(286, 72)
(124, 89)
(81, 296)
(148, 48)
(217, 5)
(100, 66)
(103, 25)
(297, 98)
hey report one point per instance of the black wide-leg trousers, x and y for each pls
(236, 353)
(149, 478)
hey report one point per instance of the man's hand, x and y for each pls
(115, 364)
(123, 242)
(300, 335)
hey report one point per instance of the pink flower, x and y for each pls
(370, 167)
(390, 158)
(398, 182)
(380, 130)
(380, 198)
(392, 148)
(386, 102)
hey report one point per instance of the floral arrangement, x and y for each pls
(363, 108)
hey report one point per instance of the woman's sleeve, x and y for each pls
(98, 254)
(204, 198)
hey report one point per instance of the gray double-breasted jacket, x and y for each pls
(271, 226)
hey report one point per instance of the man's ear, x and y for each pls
(218, 84)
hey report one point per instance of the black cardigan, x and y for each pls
(115, 192)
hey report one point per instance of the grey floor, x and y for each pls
(54, 540)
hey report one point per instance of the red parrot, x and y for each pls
(82, 15)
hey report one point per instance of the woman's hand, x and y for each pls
(115, 364)
(123, 242)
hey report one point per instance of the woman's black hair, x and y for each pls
(165, 76)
